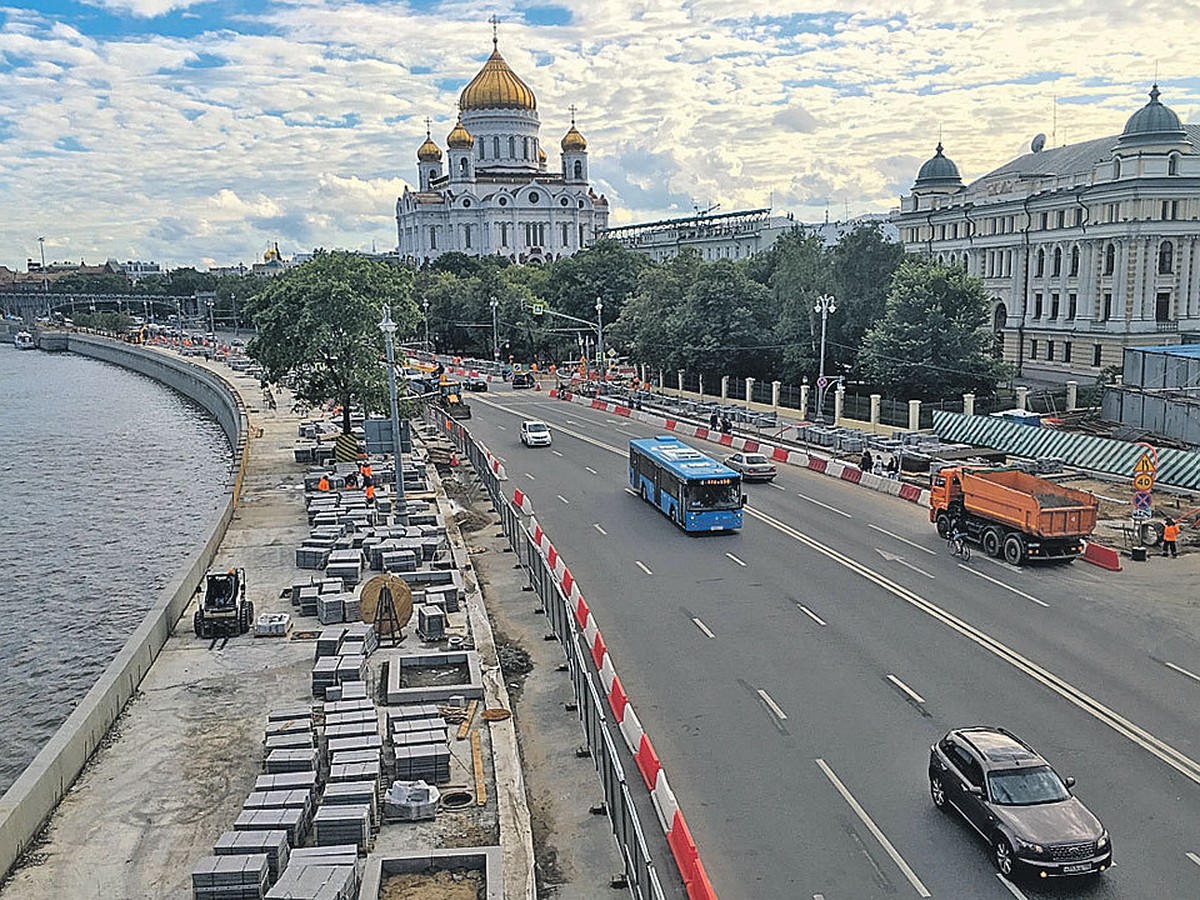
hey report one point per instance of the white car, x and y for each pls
(753, 466)
(535, 433)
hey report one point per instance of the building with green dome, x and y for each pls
(1086, 249)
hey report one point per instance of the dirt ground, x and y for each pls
(440, 884)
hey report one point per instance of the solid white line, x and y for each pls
(703, 627)
(1194, 858)
(596, 525)
(736, 560)
(903, 540)
(1012, 888)
(1007, 587)
(631, 492)
(904, 687)
(812, 615)
(530, 477)
(564, 499)
(879, 835)
(771, 704)
(1182, 671)
(590, 469)
(556, 453)
(826, 505)
(642, 566)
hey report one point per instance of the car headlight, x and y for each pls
(1028, 847)
(1103, 842)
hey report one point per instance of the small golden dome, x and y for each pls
(429, 151)
(573, 141)
(541, 154)
(496, 87)
(460, 138)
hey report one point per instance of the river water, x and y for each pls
(108, 480)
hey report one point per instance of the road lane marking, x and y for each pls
(631, 492)
(1012, 888)
(556, 453)
(736, 560)
(1182, 671)
(703, 627)
(1194, 858)
(1155, 746)
(777, 487)
(596, 525)
(613, 421)
(812, 615)
(501, 427)
(825, 505)
(892, 557)
(874, 829)
(772, 705)
(642, 566)
(902, 540)
(904, 687)
(530, 477)
(590, 469)
(623, 431)
(1007, 587)
(564, 499)
(572, 422)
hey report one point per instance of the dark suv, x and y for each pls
(1009, 794)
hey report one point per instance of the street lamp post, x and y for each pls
(425, 306)
(600, 337)
(825, 305)
(388, 327)
(212, 328)
(236, 325)
(42, 247)
(495, 334)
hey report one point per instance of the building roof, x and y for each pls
(573, 141)
(938, 171)
(496, 87)
(1153, 123)
(429, 151)
(459, 138)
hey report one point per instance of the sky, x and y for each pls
(201, 133)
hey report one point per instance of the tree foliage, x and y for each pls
(933, 339)
(318, 327)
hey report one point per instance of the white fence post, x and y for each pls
(875, 398)
(914, 415)
(1072, 395)
(839, 403)
(775, 394)
(1022, 398)
(968, 404)
(749, 391)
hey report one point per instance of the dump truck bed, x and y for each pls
(1028, 503)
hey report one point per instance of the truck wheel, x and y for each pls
(198, 623)
(943, 526)
(1014, 550)
(993, 539)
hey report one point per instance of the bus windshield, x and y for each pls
(713, 496)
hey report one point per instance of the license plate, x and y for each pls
(1077, 868)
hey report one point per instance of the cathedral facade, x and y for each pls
(496, 195)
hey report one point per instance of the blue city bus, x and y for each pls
(693, 491)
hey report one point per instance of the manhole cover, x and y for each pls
(457, 799)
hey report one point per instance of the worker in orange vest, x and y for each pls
(323, 484)
(1170, 536)
(370, 494)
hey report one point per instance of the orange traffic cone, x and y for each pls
(537, 385)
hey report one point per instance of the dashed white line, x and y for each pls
(564, 499)
(1194, 858)
(1012, 888)
(736, 560)
(623, 431)
(556, 452)
(530, 477)
(1182, 671)
(590, 469)
(777, 487)
(771, 704)
(1007, 587)
(902, 540)
(631, 492)
(879, 835)
(812, 615)
(703, 627)
(904, 687)
(596, 525)
(613, 421)
(570, 422)
(501, 427)
(642, 566)
(824, 505)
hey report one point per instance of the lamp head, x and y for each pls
(386, 325)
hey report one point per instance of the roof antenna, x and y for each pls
(495, 38)
(1054, 121)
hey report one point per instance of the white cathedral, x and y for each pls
(496, 197)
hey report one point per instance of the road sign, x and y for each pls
(538, 307)
(1143, 482)
(1141, 503)
(1144, 466)
(822, 382)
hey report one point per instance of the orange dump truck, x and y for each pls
(1011, 513)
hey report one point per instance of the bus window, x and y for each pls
(714, 496)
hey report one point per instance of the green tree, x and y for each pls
(77, 283)
(606, 270)
(933, 340)
(186, 281)
(799, 275)
(318, 327)
(861, 265)
(642, 330)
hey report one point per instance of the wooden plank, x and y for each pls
(465, 726)
(477, 758)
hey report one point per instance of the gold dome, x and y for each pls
(460, 138)
(496, 87)
(429, 151)
(573, 141)
(541, 154)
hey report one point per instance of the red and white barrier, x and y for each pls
(522, 502)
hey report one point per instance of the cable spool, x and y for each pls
(401, 598)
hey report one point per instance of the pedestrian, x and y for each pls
(1170, 536)
(713, 422)
(894, 467)
(877, 466)
(865, 462)
(726, 425)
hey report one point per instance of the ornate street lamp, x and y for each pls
(825, 305)
(388, 327)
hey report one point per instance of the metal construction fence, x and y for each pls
(641, 873)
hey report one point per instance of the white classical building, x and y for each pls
(497, 196)
(1086, 248)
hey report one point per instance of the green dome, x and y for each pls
(938, 171)
(1152, 124)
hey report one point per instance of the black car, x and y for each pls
(522, 379)
(1009, 794)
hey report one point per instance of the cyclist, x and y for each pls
(958, 541)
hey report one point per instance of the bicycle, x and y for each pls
(958, 546)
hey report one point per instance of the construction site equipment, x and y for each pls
(1011, 513)
(450, 399)
(224, 611)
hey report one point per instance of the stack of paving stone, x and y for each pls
(414, 717)
(331, 608)
(285, 781)
(296, 741)
(351, 668)
(324, 675)
(289, 819)
(330, 640)
(240, 877)
(342, 824)
(311, 557)
(273, 843)
(354, 793)
(443, 595)
(319, 873)
(364, 633)
(280, 761)
(344, 564)
(289, 799)
(423, 762)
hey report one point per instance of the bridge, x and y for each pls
(31, 304)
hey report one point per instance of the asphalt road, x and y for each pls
(793, 676)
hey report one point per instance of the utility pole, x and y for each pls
(495, 333)
(600, 338)
(825, 305)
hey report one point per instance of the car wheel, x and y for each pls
(993, 539)
(1003, 855)
(1014, 550)
(938, 793)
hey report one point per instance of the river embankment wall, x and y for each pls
(33, 797)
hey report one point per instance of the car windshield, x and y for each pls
(756, 459)
(536, 428)
(713, 496)
(1026, 787)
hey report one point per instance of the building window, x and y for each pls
(1033, 348)
(1072, 306)
(1050, 350)
(578, 170)
(1061, 218)
(533, 197)
(1045, 220)
(1116, 168)
(566, 233)
(1173, 164)
(1110, 259)
(581, 236)
(1096, 355)
(495, 148)
(1162, 307)
(1058, 260)
(432, 237)
(467, 237)
(1170, 209)
(1037, 306)
(503, 234)
(463, 168)
(1054, 306)
(1166, 258)
(525, 148)
(1077, 219)
(1107, 314)
(564, 202)
(512, 148)
(1041, 263)
(1074, 261)
(479, 150)
(1066, 351)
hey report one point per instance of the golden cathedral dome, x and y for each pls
(496, 87)
(541, 154)
(573, 141)
(429, 151)
(459, 138)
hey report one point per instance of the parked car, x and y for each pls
(522, 379)
(753, 466)
(477, 382)
(1009, 794)
(535, 433)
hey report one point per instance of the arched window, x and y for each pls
(1173, 164)
(495, 148)
(463, 168)
(1057, 260)
(512, 148)
(578, 170)
(1110, 259)
(1074, 261)
(1041, 263)
(479, 150)
(1116, 168)
(432, 237)
(1166, 258)
(525, 149)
